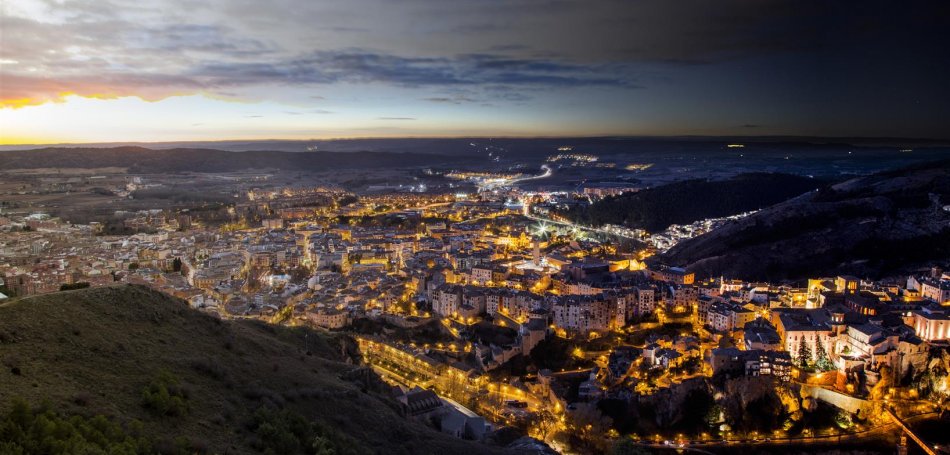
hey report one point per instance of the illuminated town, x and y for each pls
(459, 227)
(487, 309)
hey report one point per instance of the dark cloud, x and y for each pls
(362, 66)
(329, 67)
(485, 95)
(812, 63)
(451, 99)
(508, 47)
(213, 39)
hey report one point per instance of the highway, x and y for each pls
(547, 173)
(490, 185)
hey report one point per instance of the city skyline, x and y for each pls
(184, 71)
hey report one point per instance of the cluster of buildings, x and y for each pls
(497, 285)
(843, 327)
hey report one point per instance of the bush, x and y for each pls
(287, 432)
(628, 447)
(24, 430)
(164, 396)
(210, 368)
(70, 287)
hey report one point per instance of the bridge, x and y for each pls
(900, 422)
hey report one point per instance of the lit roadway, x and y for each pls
(421, 207)
(547, 173)
(696, 445)
(503, 390)
(398, 377)
(508, 182)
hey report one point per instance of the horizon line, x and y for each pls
(850, 140)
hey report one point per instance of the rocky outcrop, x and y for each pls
(668, 404)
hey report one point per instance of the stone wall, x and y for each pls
(837, 399)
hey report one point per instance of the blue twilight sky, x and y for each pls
(167, 70)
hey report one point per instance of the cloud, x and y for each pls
(123, 48)
(485, 96)
(450, 100)
(507, 47)
(588, 56)
(318, 68)
(364, 66)
(396, 118)
(19, 90)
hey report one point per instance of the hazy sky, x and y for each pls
(163, 70)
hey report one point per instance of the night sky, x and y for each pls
(163, 70)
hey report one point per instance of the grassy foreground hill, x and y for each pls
(169, 379)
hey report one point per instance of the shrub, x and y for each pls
(211, 368)
(164, 396)
(72, 286)
(26, 430)
(287, 432)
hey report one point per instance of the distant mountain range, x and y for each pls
(172, 380)
(453, 145)
(871, 226)
(143, 160)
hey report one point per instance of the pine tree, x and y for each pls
(804, 353)
(823, 363)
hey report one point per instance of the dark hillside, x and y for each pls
(870, 226)
(195, 383)
(655, 209)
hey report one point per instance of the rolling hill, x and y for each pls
(168, 379)
(871, 226)
(655, 209)
(143, 160)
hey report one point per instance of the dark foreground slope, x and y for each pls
(869, 226)
(196, 384)
(655, 209)
(143, 160)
